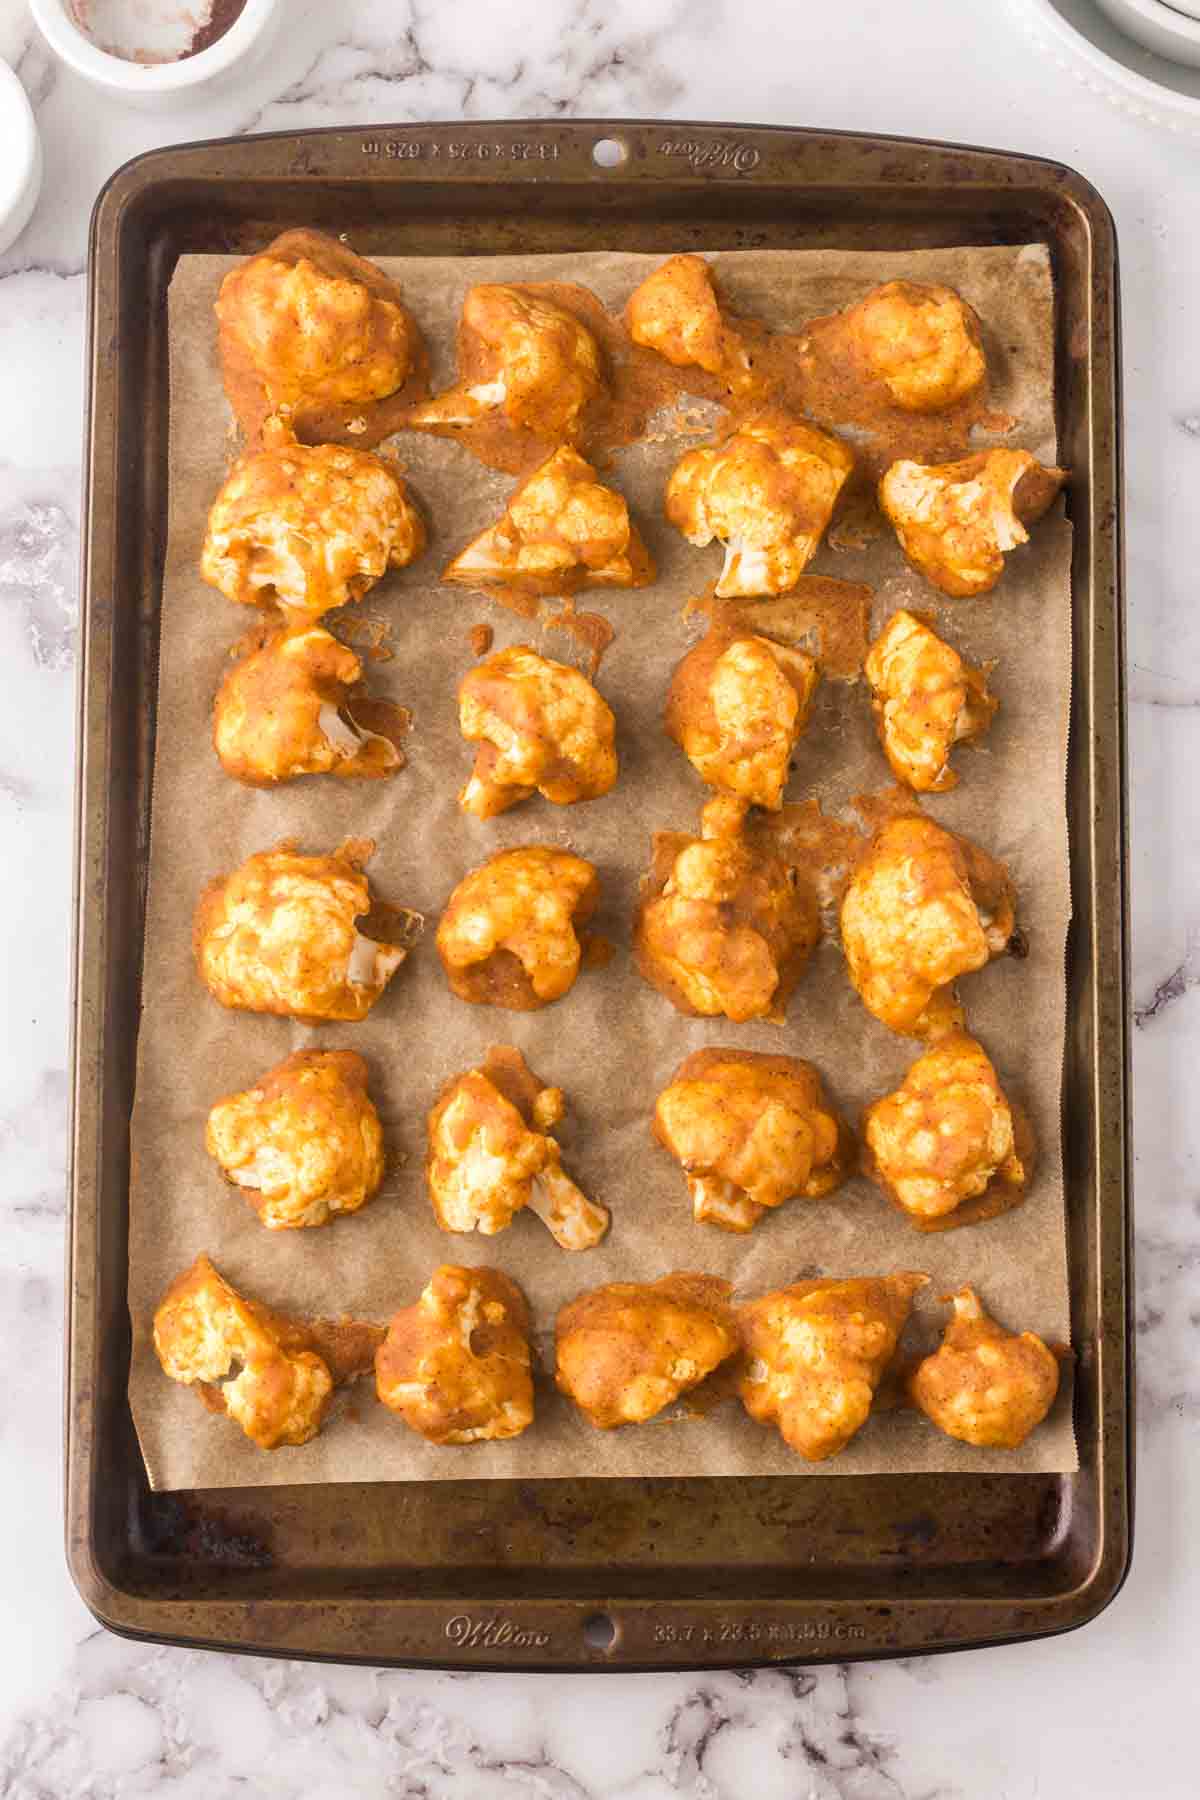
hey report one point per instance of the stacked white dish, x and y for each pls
(20, 158)
(1142, 55)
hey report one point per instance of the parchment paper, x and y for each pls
(613, 1042)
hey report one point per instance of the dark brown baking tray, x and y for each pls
(584, 1574)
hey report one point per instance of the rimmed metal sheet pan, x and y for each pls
(601, 1574)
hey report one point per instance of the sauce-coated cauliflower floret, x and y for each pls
(563, 531)
(925, 699)
(510, 933)
(279, 935)
(251, 1363)
(921, 342)
(308, 527)
(541, 728)
(767, 493)
(985, 1386)
(280, 712)
(815, 1354)
(923, 907)
(955, 521)
(947, 1134)
(737, 706)
(456, 1366)
(724, 925)
(304, 1143)
(490, 1155)
(751, 1131)
(523, 356)
(675, 311)
(627, 1350)
(317, 325)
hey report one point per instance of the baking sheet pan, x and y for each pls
(689, 1571)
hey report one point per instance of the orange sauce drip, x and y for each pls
(824, 849)
(830, 618)
(385, 718)
(590, 629)
(368, 633)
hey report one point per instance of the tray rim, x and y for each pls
(118, 1607)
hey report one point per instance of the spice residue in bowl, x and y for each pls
(155, 31)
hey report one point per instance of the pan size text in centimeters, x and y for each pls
(483, 1632)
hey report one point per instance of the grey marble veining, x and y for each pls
(149, 1720)
(1104, 1713)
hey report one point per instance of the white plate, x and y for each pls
(1082, 40)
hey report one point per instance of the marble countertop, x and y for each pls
(1102, 1713)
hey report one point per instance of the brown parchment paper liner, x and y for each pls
(613, 1042)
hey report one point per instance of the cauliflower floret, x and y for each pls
(510, 933)
(815, 1354)
(767, 493)
(724, 925)
(947, 1134)
(490, 1155)
(542, 729)
(563, 531)
(627, 1350)
(737, 706)
(279, 936)
(243, 1357)
(921, 342)
(955, 521)
(985, 1386)
(751, 1131)
(317, 325)
(307, 527)
(281, 712)
(923, 907)
(456, 1366)
(523, 355)
(925, 699)
(304, 1143)
(675, 311)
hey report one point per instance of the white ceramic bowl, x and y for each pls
(1085, 42)
(20, 158)
(165, 84)
(1164, 29)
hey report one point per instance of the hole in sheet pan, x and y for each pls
(609, 153)
(600, 1632)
